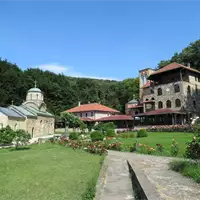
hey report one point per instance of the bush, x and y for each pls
(171, 128)
(73, 136)
(6, 136)
(187, 168)
(103, 127)
(96, 136)
(174, 148)
(110, 133)
(21, 138)
(193, 148)
(142, 133)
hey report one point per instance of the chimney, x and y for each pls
(188, 65)
(79, 103)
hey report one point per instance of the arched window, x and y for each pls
(189, 89)
(194, 104)
(159, 91)
(37, 96)
(176, 88)
(168, 104)
(160, 104)
(178, 103)
(152, 99)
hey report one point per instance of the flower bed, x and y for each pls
(98, 147)
(171, 128)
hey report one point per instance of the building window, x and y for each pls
(151, 91)
(147, 100)
(152, 99)
(196, 89)
(159, 91)
(176, 88)
(86, 114)
(160, 104)
(189, 89)
(80, 114)
(168, 104)
(37, 96)
(178, 103)
(194, 104)
(92, 114)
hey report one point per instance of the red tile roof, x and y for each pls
(115, 118)
(172, 66)
(159, 112)
(92, 107)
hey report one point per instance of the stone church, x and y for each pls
(31, 116)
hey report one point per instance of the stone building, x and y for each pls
(31, 116)
(170, 95)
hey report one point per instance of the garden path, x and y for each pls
(157, 181)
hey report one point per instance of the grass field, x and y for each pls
(164, 138)
(46, 172)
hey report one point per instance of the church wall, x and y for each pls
(16, 124)
(44, 126)
(3, 120)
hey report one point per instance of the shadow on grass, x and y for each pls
(20, 148)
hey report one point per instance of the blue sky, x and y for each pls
(104, 39)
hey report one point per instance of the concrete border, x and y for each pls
(101, 179)
(144, 187)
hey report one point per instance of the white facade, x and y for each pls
(93, 114)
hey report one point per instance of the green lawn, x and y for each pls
(164, 138)
(46, 172)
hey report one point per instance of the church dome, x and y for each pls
(34, 90)
(133, 102)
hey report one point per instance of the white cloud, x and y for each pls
(53, 67)
(68, 71)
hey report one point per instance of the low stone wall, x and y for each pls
(137, 189)
(143, 189)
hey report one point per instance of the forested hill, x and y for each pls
(62, 92)
(190, 54)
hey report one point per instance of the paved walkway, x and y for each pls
(153, 174)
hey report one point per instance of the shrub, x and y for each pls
(6, 136)
(96, 136)
(142, 133)
(174, 148)
(21, 138)
(110, 133)
(160, 148)
(171, 128)
(187, 168)
(73, 136)
(103, 127)
(131, 135)
(193, 148)
(124, 135)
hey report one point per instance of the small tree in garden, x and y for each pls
(21, 138)
(174, 148)
(193, 147)
(70, 120)
(6, 136)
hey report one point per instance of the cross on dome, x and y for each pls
(35, 83)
